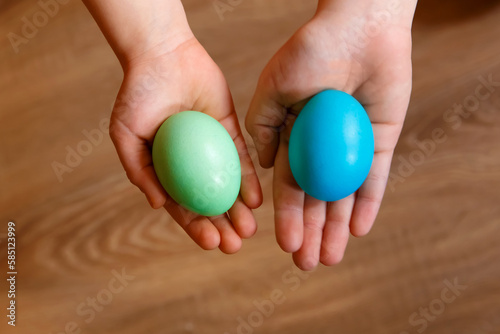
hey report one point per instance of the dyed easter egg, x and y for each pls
(197, 163)
(331, 146)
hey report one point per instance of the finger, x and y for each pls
(243, 220)
(137, 161)
(307, 257)
(265, 116)
(387, 116)
(336, 231)
(199, 228)
(288, 203)
(251, 191)
(230, 241)
(370, 194)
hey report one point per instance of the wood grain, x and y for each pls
(440, 223)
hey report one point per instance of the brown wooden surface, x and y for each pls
(441, 223)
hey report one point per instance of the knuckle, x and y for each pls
(313, 222)
(135, 178)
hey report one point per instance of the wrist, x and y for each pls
(138, 29)
(143, 46)
(393, 12)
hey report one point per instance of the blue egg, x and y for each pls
(331, 146)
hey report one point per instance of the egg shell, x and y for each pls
(197, 163)
(331, 146)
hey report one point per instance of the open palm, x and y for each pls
(157, 86)
(319, 57)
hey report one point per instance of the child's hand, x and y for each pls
(168, 71)
(157, 85)
(325, 53)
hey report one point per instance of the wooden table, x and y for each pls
(439, 225)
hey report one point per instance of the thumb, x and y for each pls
(264, 119)
(136, 159)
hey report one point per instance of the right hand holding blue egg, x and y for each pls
(331, 146)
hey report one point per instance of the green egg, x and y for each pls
(197, 163)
